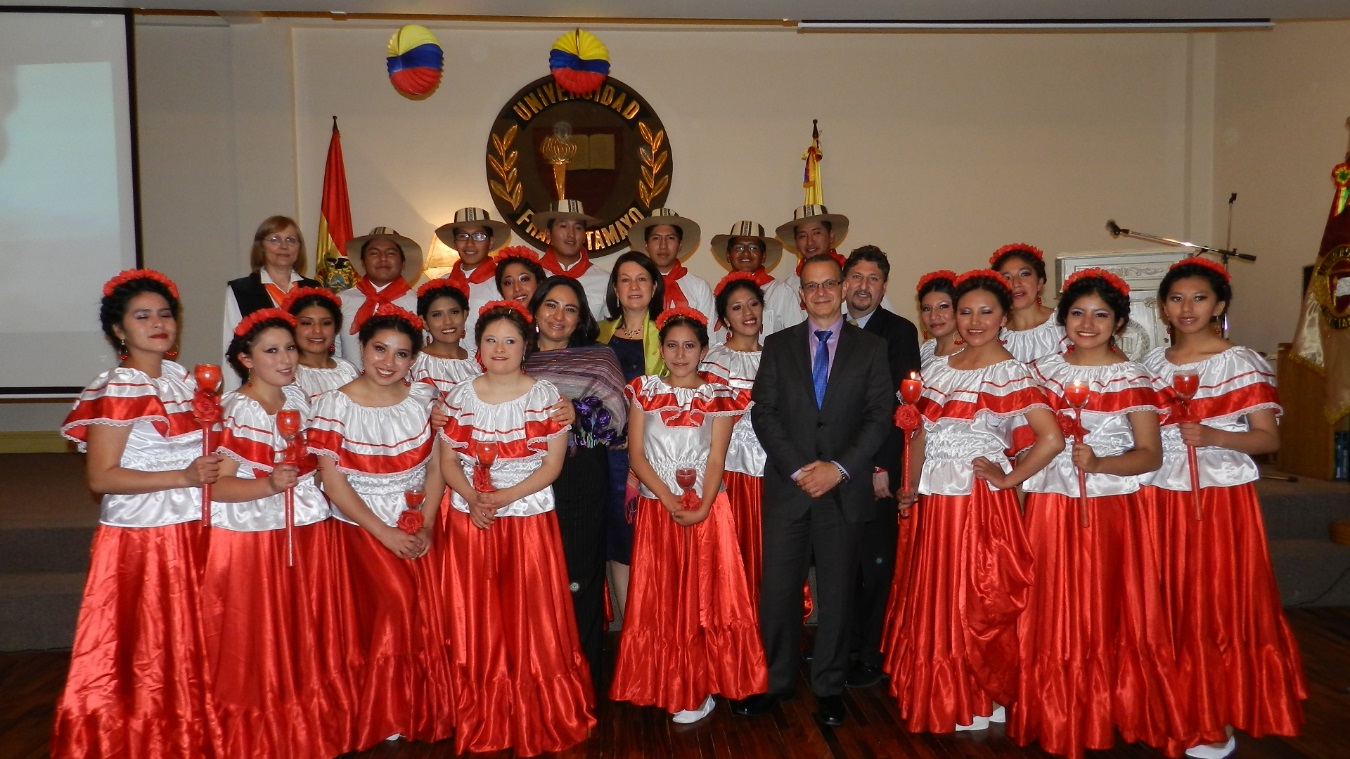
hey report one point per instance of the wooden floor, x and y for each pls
(30, 683)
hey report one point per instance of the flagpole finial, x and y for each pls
(335, 122)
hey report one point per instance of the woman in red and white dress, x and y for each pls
(373, 438)
(937, 313)
(516, 660)
(1031, 331)
(137, 684)
(1239, 663)
(1096, 649)
(444, 308)
(691, 631)
(740, 309)
(953, 660)
(318, 317)
(275, 614)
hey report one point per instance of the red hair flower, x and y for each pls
(402, 313)
(440, 284)
(681, 312)
(262, 315)
(1111, 280)
(1019, 247)
(735, 276)
(1213, 266)
(131, 275)
(517, 251)
(982, 273)
(933, 276)
(513, 305)
(411, 521)
(295, 295)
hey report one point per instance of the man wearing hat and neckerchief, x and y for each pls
(812, 231)
(747, 249)
(668, 239)
(476, 236)
(566, 222)
(387, 263)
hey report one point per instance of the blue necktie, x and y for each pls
(820, 367)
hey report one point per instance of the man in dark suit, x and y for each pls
(865, 277)
(822, 409)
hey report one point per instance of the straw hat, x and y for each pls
(475, 217)
(787, 233)
(412, 252)
(559, 210)
(637, 234)
(773, 249)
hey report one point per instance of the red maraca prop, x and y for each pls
(685, 477)
(288, 426)
(1186, 384)
(907, 418)
(485, 453)
(1077, 395)
(206, 407)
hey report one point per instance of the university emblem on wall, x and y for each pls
(607, 149)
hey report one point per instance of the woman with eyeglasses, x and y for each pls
(276, 260)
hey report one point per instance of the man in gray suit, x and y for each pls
(822, 410)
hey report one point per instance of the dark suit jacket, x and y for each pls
(902, 356)
(251, 296)
(849, 429)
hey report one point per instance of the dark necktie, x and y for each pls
(820, 368)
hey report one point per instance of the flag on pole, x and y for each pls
(815, 190)
(331, 266)
(1322, 339)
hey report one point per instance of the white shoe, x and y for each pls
(980, 723)
(689, 716)
(1000, 714)
(1214, 750)
(395, 737)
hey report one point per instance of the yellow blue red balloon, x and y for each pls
(579, 62)
(415, 61)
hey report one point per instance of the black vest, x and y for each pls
(251, 296)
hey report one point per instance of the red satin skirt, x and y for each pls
(1096, 647)
(895, 600)
(519, 673)
(967, 580)
(690, 630)
(276, 643)
(136, 686)
(1238, 660)
(745, 495)
(401, 673)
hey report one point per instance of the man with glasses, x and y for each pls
(823, 403)
(748, 249)
(475, 236)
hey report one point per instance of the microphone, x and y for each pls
(1114, 228)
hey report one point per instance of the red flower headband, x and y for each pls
(1019, 247)
(260, 316)
(1111, 280)
(440, 284)
(933, 276)
(735, 276)
(838, 258)
(131, 275)
(306, 292)
(1213, 266)
(400, 312)
(683, 312)
(517, 251)
(982, 274)
(513, 305)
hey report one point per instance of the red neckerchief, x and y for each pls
(674, 295)
(478, 276)
(551, 265)
(832, 254)
(374, 299)
(762, 277)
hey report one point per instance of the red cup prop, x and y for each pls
(685, 477)
(288, 426)
(907, 419)
(1186, 383)
(206, 408)
(1077, 394)
(485, 453)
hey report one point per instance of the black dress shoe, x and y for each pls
(830, 710)
(863, 675)
(759, 705)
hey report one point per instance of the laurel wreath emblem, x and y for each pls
(503, 165)
(655, 175)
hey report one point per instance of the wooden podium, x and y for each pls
(1306, 444)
